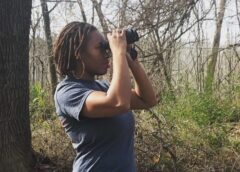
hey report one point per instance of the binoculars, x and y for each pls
(131, 37)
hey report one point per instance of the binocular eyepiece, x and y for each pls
(131, 37)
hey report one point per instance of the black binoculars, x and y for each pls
(131, 37)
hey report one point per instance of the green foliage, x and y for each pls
(192, 132)
(41, 106)
(202, 108)
(38, 96)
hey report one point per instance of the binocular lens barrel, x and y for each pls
(131, 37)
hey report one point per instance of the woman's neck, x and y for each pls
(83, 75)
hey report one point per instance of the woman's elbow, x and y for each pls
(152, 103)
(124, 107)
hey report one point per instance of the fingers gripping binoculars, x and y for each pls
(131, 37)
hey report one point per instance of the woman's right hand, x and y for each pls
(117, 41)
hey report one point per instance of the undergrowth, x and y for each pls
(194, 132)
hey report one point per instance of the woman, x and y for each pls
(97, 116)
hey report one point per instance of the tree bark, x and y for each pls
(215, 48)
(52, 69)
(15, 134)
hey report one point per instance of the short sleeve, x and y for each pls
(104, 85)
(71, 100)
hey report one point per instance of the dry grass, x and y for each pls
(169, 148)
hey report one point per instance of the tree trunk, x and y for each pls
(33, 68)
(82, 10)
(15, 134)
(52, 69)
(102, 20)
(122, 11)
(215, 48)
(166, 70)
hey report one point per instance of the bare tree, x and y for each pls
(33, 46)
(82, 10)
(165, 23)
(238, 13)
(122, 13)
(215, 48)
(97, 5)
(52, 69)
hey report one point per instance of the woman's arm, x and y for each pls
(143, 95)
(117, 99)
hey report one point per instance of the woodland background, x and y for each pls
(190, 50)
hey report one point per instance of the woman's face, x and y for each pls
(95, 59)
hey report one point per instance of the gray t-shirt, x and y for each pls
(101, 144)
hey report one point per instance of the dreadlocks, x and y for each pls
(70, 45)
